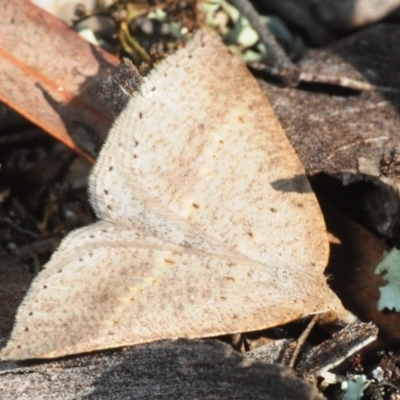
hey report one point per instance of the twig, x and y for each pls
(345, 82)
(302, 339)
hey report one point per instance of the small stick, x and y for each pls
(281, 65)
(345, 82)
(302, 339)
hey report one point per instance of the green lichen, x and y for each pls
(390, 294)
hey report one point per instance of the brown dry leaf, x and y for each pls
(49, 74)
(353, 263)
(331, 126)
(320, 21)
(208, 223)
(344, 132)
(183, 369)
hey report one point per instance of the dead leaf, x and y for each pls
(315, 360)
(343, 132)
(183, 369)
(319, 21)
(332, 127)
(352, 265)
(49, 74)
(208, 223)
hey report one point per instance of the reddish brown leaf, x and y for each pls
(49, 74)
(353, 260)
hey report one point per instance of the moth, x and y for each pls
(207, 222)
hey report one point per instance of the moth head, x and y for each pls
(336, 314)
